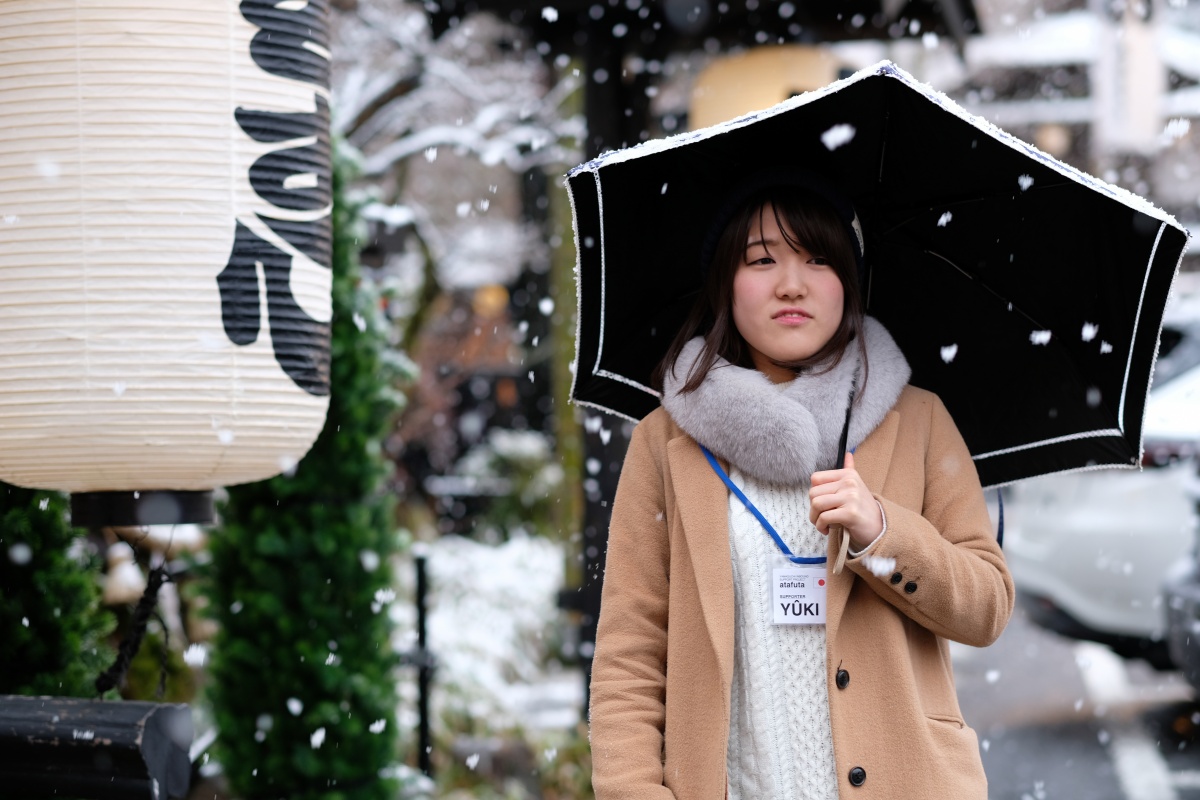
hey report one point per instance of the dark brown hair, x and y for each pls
(806, 220)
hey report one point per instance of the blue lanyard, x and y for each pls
(753, 510)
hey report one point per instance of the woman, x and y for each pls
(697, 691)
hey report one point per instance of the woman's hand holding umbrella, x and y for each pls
(840, 497)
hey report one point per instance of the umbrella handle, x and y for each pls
(843, 548)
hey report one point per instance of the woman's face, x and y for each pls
(786, 303)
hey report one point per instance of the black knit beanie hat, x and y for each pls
(785, 177)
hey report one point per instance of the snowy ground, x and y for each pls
(495, 629)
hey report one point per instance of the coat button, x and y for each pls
(910, 587)
(897, 577)
(858, 776)
(842, 678)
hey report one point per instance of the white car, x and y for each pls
(1089, 551)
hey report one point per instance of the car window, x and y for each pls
(1178, 352)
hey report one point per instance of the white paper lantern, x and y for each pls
(164, 241)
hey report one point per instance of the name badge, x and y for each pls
(798, 595)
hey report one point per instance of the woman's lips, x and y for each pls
(791, 317)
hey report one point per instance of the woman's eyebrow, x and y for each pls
(760, 243)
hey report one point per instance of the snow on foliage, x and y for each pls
(401, 92)
(487, 251)
(427, 115)
(491, 614)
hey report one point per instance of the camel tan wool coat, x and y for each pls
(664, 654)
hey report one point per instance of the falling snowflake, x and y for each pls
(377, 726)
(1089, 331)
(20, 553)
(1105, 347)
(119, 388)
(992, 675)
(195, 655)
(944, 219)
(317, 739)
(1176, 129)
(295, 706)
(837, 136)
(369, 560)
(48, 168)
(1025, 181)
(550, 14)
(880, 566)
(1039, 337)
(949, 352)
(664, 189)
(472, 761)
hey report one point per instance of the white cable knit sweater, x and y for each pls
(780, 744)
(774, 436)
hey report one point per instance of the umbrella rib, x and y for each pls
(1136, 323)
(964, 201)
(603, 269)
(992, 291)
(1119, 415)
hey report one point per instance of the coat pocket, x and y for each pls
(955, 758)
(947, 719)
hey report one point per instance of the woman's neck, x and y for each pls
(774, 372)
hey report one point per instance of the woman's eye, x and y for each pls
(819, 261)
(761, 261)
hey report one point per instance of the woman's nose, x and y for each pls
(791, 282)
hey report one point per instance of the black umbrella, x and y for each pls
(1027, 294)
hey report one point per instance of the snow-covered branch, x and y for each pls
(400, 92)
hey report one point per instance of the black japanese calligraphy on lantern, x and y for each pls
(289, 44)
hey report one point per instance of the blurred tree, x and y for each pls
(303, 683)
(52, 627)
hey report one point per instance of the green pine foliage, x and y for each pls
(52, 626)
(302, 671)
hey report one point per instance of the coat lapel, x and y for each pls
(871, 459)
(703, 507)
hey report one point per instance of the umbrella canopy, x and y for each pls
(1027, 294)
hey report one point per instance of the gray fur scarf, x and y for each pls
(781, 434)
